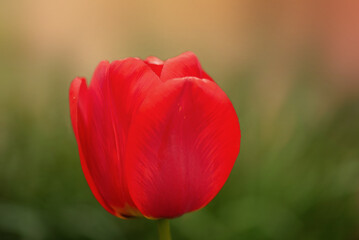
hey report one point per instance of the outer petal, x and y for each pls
(182, 146)
(75, 88)
(79, 88)
(104, 117)
(184, 65)
(155, 64)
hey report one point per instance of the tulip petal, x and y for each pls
(115, 92)
(184, 65)
(155, 64)
(181, 148)
(78, 89)
(76, 85)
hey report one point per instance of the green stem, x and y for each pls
(164, 229)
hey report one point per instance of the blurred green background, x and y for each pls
(291, 69)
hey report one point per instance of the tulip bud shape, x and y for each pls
(156, 138)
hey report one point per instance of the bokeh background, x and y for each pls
(291, 69)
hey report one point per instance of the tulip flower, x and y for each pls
(156, 138)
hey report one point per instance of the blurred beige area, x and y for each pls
(276, 35)
(229, 34)
(88, 31)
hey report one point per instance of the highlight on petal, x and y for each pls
(182, 145)
(155, 64)
(184, 65)
(115, 92)
(75, 88)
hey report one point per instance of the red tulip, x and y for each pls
(156, 139)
